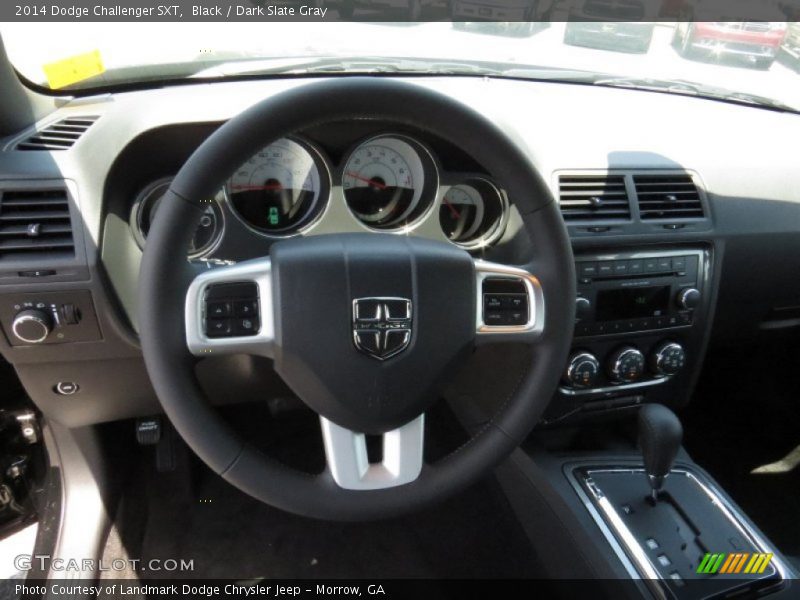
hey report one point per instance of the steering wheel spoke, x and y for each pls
(346, 453)
(229, 310)
(510, 304)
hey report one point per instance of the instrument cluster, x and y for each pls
(388, 182)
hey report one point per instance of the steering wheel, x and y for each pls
(361, 326)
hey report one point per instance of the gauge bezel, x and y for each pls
(145, 196)
(318, 207)
(428, 194)
(495, 194)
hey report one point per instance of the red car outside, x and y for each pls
(757, 42)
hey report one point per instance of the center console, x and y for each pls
(639, 330)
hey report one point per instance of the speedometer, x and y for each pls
(385, 181)
(278, 190)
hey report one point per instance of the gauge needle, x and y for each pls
(252, 188)
(377, 184)
(452, 208)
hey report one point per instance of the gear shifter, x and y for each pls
(660, 435)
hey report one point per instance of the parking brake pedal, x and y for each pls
(148, 431)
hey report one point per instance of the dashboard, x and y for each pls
(613, 157)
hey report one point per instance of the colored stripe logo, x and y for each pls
(737, 562)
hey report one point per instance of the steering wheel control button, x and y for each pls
(66, 388)
(505, 303)
(626, 365)
(219, 327)
(218, 309)
(245, 308)
(245, 326)
(232, 310)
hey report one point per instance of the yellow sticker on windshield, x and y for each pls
(73, 69)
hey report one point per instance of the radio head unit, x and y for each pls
(637, 292)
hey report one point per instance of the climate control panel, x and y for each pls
(625, 364)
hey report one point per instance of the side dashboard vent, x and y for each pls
(35, 222)
(593, 198)
(61, 135)
(668, 197)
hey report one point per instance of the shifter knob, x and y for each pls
(660, 435)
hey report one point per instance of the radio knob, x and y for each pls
(32, 326)
(626, 365)
(667, 359)
(582, 370)
(689, 298)
(583, 308)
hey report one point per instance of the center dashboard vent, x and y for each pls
(61, 135)
(673, 196)
(593, 198)
(35, 222)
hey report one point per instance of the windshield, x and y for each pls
(756, 63)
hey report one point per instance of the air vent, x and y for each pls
(61, 135)
(668, 197)
(593, 198)
(33, 222)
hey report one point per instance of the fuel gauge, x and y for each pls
(471, 213)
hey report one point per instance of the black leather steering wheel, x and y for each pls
(314, 293)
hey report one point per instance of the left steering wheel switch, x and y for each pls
(231, 310)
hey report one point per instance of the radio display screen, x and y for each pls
(632, 303)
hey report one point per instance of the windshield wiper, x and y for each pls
(359, 65)
(688, 88)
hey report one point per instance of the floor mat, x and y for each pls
(745, 415)
(193, 514)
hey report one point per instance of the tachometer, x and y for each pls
(472, 212)
(384, 181)
(278, 190)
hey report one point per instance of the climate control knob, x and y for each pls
(32, 326)
(626, 364)
(689, 298)
(582, 370)
(667, 359)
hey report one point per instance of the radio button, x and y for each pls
(688, 298)
(587, 270)
(605, 269)
(679, 265)
(664, 265)
(650, 265)
(621, 267)
(636, 267)
(583, 308)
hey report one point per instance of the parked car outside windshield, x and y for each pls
(645, 54)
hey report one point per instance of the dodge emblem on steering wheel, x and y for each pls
(381, 326)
